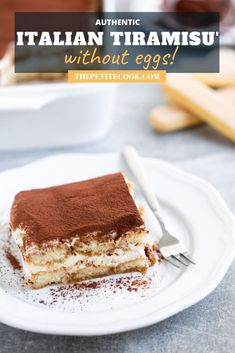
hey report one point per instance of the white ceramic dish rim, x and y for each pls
(42, 94)
(188, 300)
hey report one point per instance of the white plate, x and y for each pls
(193, 210)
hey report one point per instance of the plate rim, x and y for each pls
(191, 179)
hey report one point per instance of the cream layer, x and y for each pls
(81, 261)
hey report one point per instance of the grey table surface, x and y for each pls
(208, 326)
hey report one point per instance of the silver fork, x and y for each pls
(170, 247)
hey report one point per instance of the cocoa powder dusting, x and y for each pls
(83, 290)
(12, 259)
(101, 205)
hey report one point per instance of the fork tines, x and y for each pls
(182, 258)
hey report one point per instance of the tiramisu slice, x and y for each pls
(78, 231)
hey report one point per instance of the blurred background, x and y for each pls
(41, 111)
(43, 114)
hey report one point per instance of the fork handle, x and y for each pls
(134, 163)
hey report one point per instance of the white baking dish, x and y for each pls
(36, 115)
(55, 114)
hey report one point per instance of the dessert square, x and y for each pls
(79, 231)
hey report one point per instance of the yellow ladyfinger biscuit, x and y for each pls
(226, 76)
(203, 102)
(169, 118)
(229, 93)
